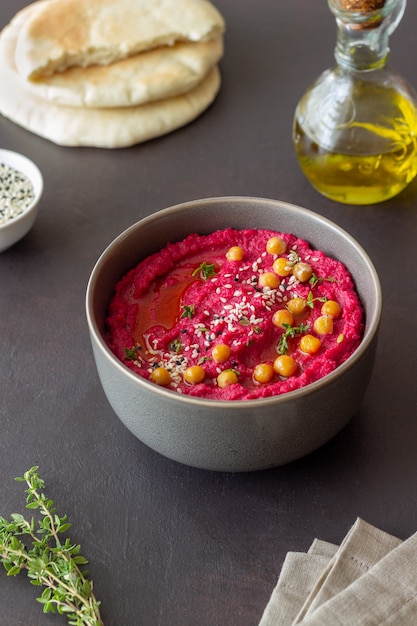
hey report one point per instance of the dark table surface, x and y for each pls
(171, 545)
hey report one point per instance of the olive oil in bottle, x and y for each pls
(355, 129)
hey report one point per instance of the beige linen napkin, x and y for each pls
(298, 576)
(363, 546)
(385, 596)
(370, 579)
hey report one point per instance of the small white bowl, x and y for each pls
(17, 227)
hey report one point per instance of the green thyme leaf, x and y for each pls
(314, 280)
(293, 257)
(131, 353)
(206, 270)
(175, 345)
(203, 359)
(189, 311)
(311, 300)
(202, 329)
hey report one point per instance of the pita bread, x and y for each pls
(139, 79)
(102, 128)
(58, 34)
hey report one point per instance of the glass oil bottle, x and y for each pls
(355, 128)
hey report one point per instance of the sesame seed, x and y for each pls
(16, 193)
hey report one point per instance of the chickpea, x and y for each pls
(284, 365)
(323, 325)
(297, 305)
(331, 308)
(235, 253)
(302, 271)
(276, 245)
(220, 353)
(310, 344)
(281, 317)
(282, 267)
(268, 279)
(263, 373)
(161, 376)
(226, 378)
(194, 374)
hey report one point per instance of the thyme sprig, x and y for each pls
(189, 310)
(293, 257)
(131, 354)
(176, 345)
(290, 331)
(206, 270)
(311, 299)
(314, 280)
(36, 546)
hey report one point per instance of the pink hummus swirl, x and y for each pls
(170, 312)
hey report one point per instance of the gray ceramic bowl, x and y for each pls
(235, 435)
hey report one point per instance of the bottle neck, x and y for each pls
(363, 35)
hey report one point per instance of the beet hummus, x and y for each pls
(235, 315)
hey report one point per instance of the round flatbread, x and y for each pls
(102, 128)
(142, 78)
(58, 34)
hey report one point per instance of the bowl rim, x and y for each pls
(38, 184)
(172, 395)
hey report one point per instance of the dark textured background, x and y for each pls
(171, 545)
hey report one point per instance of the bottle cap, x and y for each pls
(363, 6)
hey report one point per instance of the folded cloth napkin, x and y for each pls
(299, 574)
(369, 579)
